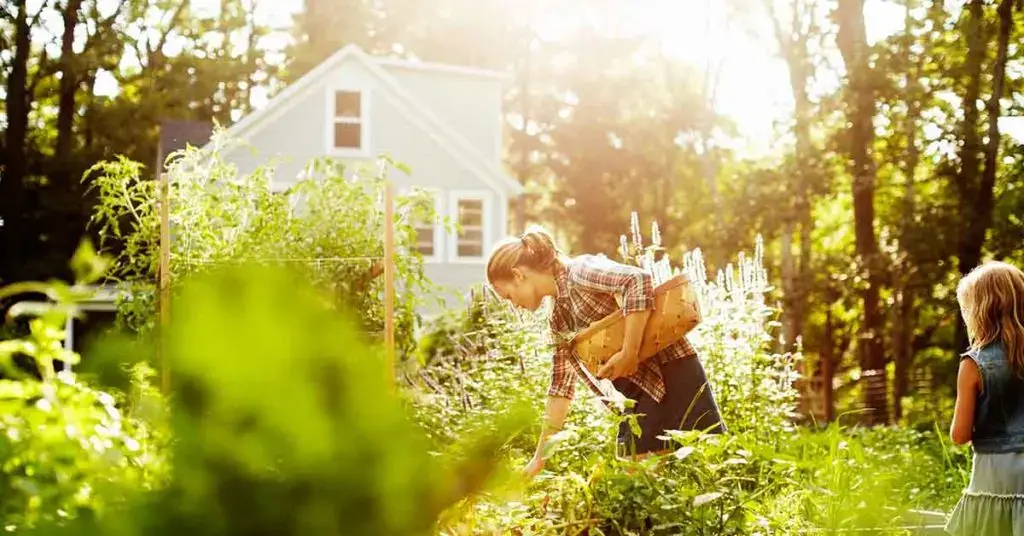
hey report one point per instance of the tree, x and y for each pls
(905, 276)
(794, 41)
(15, 234)
(860, 106)
(324, 27)
(976, 179)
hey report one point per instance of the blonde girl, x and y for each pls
(989, 411)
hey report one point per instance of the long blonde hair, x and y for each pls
(992, 301)
(535, 250)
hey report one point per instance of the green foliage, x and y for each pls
(754, 387)
(765, 476)
(66, 448)
(288, 424)
(329, 225)
(475, 365)
(872, 477)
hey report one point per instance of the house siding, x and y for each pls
(471, 105)
(296, 134)
(455, 280)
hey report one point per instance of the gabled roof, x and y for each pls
(416, 65)
(413, 109)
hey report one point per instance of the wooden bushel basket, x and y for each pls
(676, 313)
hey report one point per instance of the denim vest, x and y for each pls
(999, 412)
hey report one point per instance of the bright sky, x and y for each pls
(753, 84)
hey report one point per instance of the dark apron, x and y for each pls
(688, 404)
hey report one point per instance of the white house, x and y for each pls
(443, 121)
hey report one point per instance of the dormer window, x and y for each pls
(347, 133)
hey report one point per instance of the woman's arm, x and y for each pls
(603, 275)
(554, 418)
(560, 395)
(968, 385)
(599, 274)
(626, 361)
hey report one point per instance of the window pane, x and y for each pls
(471, 242)
(347, 104)
(472, 236)
(471, 212)
(471, 250)
(425, 240)
(348, 136)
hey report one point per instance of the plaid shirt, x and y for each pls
(586, 293)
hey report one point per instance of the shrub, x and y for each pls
(764, 477)
(66, 448)
(754, 387)
(475, 365)
(328, 224)
(288, 423)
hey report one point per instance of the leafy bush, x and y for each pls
(754, 387)
(329, 224)
(765, 476)
(289, 424)
(475, 365)
(872, 477)
(67, 449)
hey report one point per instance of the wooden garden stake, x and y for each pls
(164, 273)
(389, 280)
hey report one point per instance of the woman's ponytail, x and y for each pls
(535, 250)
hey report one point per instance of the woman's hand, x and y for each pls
(625, 362)
(533, 468)
(620, 365)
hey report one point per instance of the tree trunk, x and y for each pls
(804, 283)
(788, 268)
(971, 147)
(68, 84)
(903, 335)
(967, 177)
(984, 195)
(800, 77)
(15, 236)
(904, 313)
(800, 74)
(827, 366)
(980, 201)
(67, 91)
(63, 196)
(709, 165)
(792, 40)
(88, 129)
(860, 100)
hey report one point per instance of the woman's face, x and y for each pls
(522, 289)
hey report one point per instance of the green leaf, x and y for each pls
(706, 498)
(683, 452)
(87, 265)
